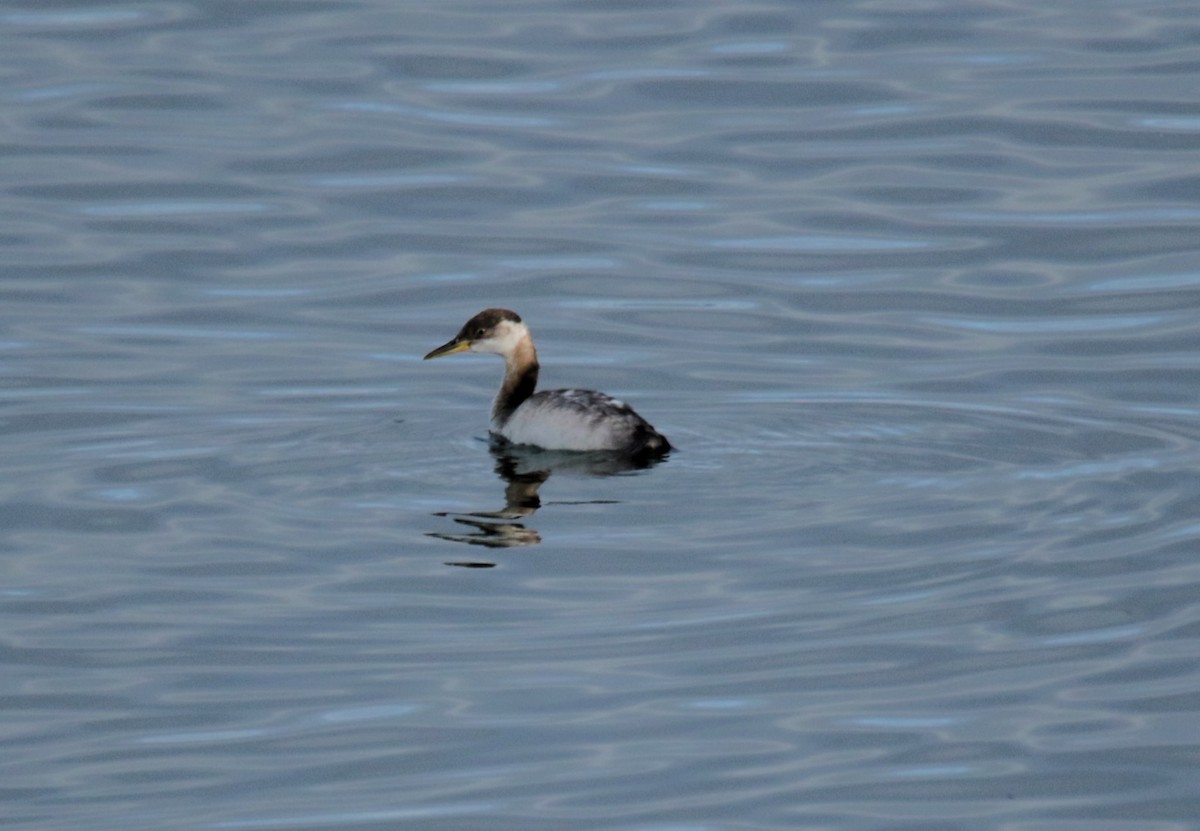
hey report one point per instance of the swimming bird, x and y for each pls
(568, 419)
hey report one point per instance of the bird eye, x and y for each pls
(478, 333)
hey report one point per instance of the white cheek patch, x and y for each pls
(504, 339)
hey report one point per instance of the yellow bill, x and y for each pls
(449, 348)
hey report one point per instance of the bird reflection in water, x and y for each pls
(524, 469)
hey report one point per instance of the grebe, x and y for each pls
(552, 419)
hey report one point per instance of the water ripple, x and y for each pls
(913, 292)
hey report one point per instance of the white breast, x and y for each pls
(571, 420)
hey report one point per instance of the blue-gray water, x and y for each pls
(914, 288)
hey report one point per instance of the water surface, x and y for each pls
(912, 289)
